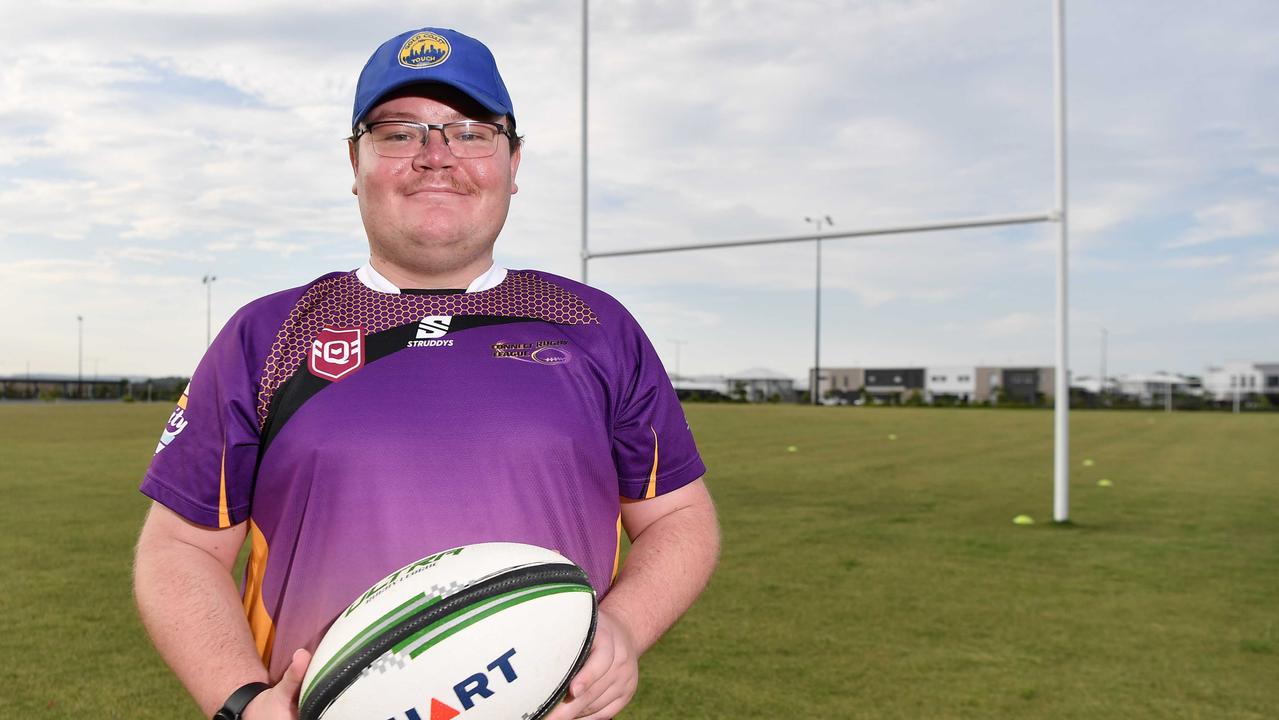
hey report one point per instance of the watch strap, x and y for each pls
(234, 706)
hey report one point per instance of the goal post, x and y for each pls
(1057, 216)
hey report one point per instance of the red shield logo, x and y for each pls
(337, 352)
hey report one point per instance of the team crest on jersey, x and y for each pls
(540, 352)
(424, 50)
(337, 352)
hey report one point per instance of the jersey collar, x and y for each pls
(374, 280)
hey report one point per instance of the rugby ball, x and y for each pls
(492, 631)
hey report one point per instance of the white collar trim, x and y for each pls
(374, 280)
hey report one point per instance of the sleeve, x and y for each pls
(653, 445)
(204, 463)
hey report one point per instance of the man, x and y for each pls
(428, 399)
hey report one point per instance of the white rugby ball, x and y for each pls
(493, 630)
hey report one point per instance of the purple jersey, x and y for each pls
(358, 430)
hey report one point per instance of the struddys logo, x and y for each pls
(424, 50)
(431, 331)
(469, 692)
(177, 422)
(337, 352)
(540, 352)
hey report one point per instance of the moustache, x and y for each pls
(446, 181)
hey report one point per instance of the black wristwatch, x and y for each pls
(234, 706)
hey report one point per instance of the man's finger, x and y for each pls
(597, 664)
(609, 711)
(611, 698)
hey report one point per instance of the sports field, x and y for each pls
(862, 576)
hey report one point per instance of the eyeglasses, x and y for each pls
(467, 139)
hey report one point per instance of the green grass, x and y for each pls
(861, 577)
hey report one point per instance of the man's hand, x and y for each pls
(281, 702)
(609, 678)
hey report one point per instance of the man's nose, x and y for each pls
(435, 152)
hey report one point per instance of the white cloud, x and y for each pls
(154, 255)
(1106, 205)
(53, 272)
(1199, 261)
(1269, 271)
(1257, 306)
(1230, 220)
(1015, 324)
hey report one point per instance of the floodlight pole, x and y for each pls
(817, 315)
(1061, 414)
(586, 253)
(79, 374)
(208, 309)
(1101, 387)
(677, 344)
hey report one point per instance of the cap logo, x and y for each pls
(424, 50)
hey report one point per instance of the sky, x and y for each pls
(148, 144)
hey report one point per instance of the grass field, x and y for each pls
(862, 577)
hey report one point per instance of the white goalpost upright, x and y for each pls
(1061, 401)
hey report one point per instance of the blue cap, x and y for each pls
(432, 55)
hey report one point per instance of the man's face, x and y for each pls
(433, 212)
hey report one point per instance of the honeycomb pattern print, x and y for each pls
(343, 301)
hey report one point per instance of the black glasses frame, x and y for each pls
(366, 128)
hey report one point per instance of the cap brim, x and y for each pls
(485, 100)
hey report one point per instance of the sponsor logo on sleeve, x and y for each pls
(177, 421)
(337, 352)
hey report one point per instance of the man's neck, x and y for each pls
(405, 278)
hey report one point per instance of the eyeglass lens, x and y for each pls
(464, 139)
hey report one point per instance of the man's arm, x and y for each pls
(191, 609)
(674, 548)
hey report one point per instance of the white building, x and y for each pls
(761, 385)
(700, 384)
(1089, 384)
(957, 381)
(753, 385)
(1153, 389)
(1241, 378)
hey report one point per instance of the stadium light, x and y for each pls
(816, 387)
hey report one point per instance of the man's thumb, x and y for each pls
(291, 683)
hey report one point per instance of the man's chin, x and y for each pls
(438, 246)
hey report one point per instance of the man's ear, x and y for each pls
(515, 166)
(355, 163)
